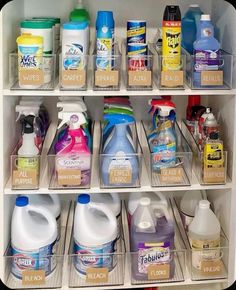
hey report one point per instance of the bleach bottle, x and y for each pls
(51, 202)
(206, 50)
(190, 27)
(33, 238)
(95, 233)
(151, 241)
(119, 163)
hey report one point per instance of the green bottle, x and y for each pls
(80, 14)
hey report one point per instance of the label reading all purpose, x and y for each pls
(151, 254)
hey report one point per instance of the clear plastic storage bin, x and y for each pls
(213, 262)
(121, 170)
(205, 175)
(220, 76)
(180, 173)
(74, 76)
(139, 70)
(32, 79)
(107, 79)
(69, 170)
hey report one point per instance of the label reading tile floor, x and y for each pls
(106, 78)
(172, 78)
(73, 78)
(211, 268)
(214, 175)
(120, 176)
(33, 277)
(159, 272)
(171, 175)
(25, 177)
(212, 78)
(69, 177)
(140, 78)
(31, 77)
(97, 275)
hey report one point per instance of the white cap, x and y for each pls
(145, 201)
(205, 17)
(204, 204)
(194, 5)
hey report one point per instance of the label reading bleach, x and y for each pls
(96, 257)
(41, 259)
(151, 254)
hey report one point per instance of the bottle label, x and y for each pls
(205, 60)
(163, 156)
(94, 257)
(209, 252)
(151, 254)
(30, 57)
(28, 163)
(74, 58)
(104, 54)
(41, 259)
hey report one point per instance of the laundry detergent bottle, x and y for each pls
(151, 241)
(33, 238)
(95, 233)
(119, 164)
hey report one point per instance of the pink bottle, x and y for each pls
(76, 154)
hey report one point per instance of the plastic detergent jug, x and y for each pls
(134, 199)
(49, 201)
(188, 205)
(94, 234)
(33, 238)
(206, 50)
(204, 233)
(119, 162)
(190, 26)
(151, 242)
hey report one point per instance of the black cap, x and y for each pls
(28, 124)
(214, 135)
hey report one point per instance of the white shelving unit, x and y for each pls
(223, 103)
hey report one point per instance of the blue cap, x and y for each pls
(75, 25)
(22, 201)
(105, 18)
(84, 198)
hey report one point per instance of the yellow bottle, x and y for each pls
(171, 38)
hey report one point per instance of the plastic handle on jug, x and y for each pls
(45, 213)
(162, 199)
(115, 197)
(107, 212)
(163, 209)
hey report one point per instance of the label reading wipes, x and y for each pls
(140, 78)
(171, 175)
(25, 178)
(172, 78)
(106, 78)
(97, 275)
(31, 77)
(69, 176)
(33, 277)
(73, 78)
(159, 272)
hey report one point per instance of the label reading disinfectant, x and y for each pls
(209, 251)
(41, 259)
(152, 253)
(94, 257)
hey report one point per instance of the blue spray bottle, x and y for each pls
(119, 166)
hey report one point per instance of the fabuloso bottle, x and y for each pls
(171, 38)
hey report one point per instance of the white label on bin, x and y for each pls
(140, 78)
(106, 78)
(211, 268)
(214, 175)
(212, 78)
(25, 177)
(172, 78)
(33, 277)
(73, 78)
(31, 77)
(69, 176)
(97, 275)
(159, 272)
(171, 175)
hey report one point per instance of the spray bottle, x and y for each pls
(39, 127)
(79, 14)
(119, 163)
(76, 155)
(163, 142)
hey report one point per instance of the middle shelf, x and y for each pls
(145, 178)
